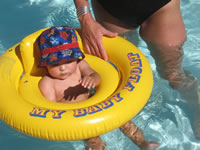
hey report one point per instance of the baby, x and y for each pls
(70, 79)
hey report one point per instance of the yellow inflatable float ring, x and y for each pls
(122, 93)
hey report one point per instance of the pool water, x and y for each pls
(164, 119)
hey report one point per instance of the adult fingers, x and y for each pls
(91, 46)
(110, 33)
(95, 47)
(98, 47)
(102, 51)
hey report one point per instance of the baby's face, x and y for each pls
(62, 70)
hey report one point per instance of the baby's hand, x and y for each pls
(88, 82)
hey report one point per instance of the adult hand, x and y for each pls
(91, 34)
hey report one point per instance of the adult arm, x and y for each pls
(91, 32)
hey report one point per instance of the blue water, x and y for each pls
(163, 119)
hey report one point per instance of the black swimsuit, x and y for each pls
(132, 12)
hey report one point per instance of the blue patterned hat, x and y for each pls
(58, 44)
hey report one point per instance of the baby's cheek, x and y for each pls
(73, 67)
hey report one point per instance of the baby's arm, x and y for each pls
(46, 88)
(90, 78)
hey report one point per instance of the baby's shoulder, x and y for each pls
(82, 62)
(46, 81)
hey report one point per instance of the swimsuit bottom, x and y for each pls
(132, 12)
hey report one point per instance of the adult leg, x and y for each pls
(137, 136)
(114, 24)
(95, 144)
(164, 33)
(107, 20)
